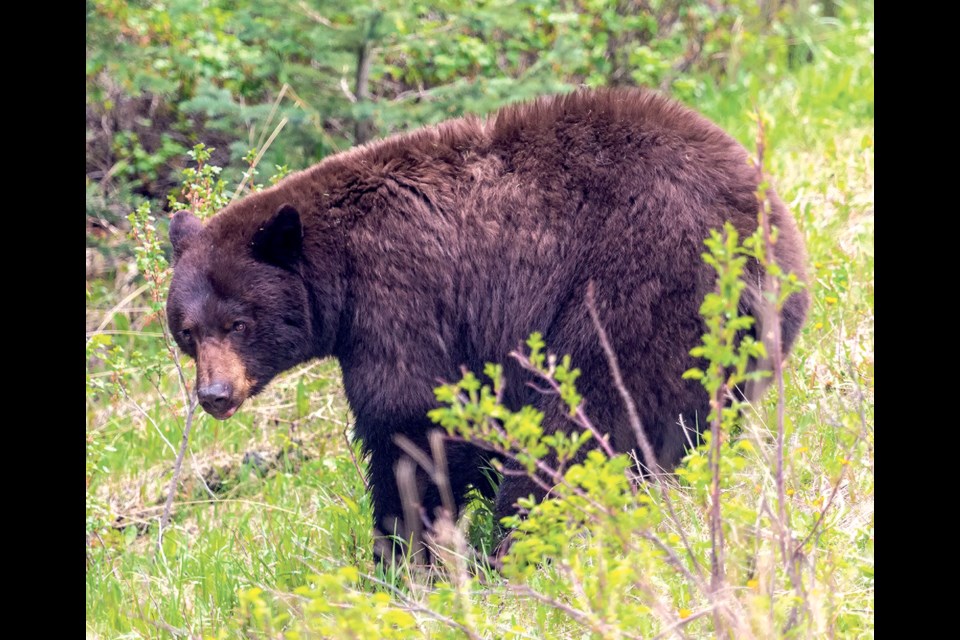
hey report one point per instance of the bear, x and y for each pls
(416, 257)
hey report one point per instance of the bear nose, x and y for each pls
(215, 397)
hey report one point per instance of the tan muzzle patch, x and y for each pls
(218, 363)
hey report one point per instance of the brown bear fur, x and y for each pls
(411, 257)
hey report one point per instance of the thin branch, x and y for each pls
(346, 89)
(409, 605)
(175, 356)
(363, 127)
(636, 425)
(176, 470)
(256, 160)
(273, 111)
(675, 560)
(776, 357)
(405, 471)
(419, 455)
(632, 413)
(316, 17)
(676, 626)
(833, 495)
(716, 521)
(582, 617)
(440, 475)
(581, 416)
(195, 467)
(107, 318)
(136, 405)
(823, 513)
(356, 465)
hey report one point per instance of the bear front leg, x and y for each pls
(515, 486)
(388, 403)
(397, 517)
(518, 484)
(406, 499)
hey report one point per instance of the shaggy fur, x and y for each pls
(446, 247)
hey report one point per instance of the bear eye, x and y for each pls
(186, 335)
(239, 326)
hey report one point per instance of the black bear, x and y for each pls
(412, 257)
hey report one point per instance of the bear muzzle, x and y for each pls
(222, 384)
(217, 400)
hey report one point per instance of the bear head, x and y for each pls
(238, 304)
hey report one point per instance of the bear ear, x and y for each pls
(183, 226)
(280, 240)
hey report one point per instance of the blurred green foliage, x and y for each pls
(163, 76)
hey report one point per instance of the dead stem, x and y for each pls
(171, 491)
(634, 416)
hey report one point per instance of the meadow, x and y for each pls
(270, 530)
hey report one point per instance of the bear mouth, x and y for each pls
(226, 413)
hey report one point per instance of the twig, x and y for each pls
(581, 617)
(553, 474)
(316, 17)
(107, 318)
(176, 470)
(636, 425)
(632, 413)
(441, 476)
(776, 358)
(416, 453)
(409, 605)
(136, 405)
(675, 560)
(833, 495)
(273, 111)
(175, 356)
(256, 160)
(195, 467)
(716, 521)
(363, 127)
(554, 389)
(823, 513)
(684, 622)
(356, 465)
(406, 473)
(346, 89)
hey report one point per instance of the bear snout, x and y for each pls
(222, 383)
(217, 399)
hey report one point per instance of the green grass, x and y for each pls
(309, 514)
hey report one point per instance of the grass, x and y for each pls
(274, 495)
